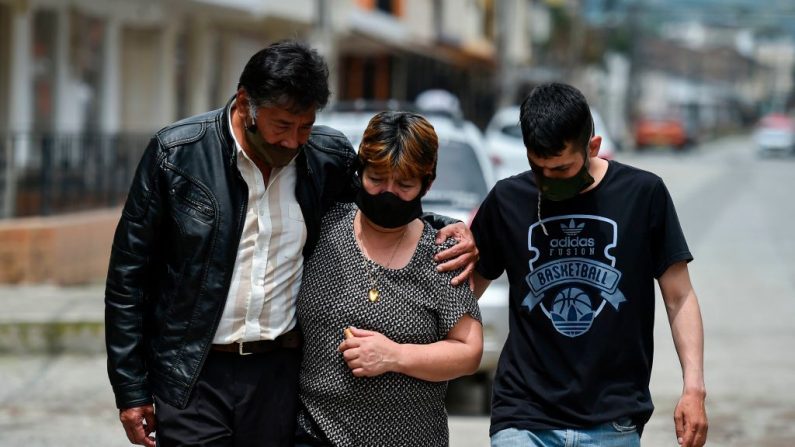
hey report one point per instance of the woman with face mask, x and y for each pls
(384, 330)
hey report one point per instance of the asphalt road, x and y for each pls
(737, 212)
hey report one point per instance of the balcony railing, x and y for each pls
(43, 174)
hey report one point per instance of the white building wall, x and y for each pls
(110, 91)
(238, 51)
(68, 93)
(419, 20)
(137, 91)
(139, 107)
(614, 100)
(519, 49)
(463, 19)
(780, 56)
(20, 86)
(5, 66)
(654, 100)
(166, 68)
(199, 65)
(303, 11)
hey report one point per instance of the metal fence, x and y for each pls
(44, 173)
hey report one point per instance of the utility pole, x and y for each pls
(635, 61)
(577, 37)
(325, 42)
(506, 83)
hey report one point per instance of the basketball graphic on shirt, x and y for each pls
(572, 313)
(573, 273)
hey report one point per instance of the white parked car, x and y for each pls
(463, 178)
(775, 133)
(506, 148)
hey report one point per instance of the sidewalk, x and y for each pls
(52, 355)
(47, 319)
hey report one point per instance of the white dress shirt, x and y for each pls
(269, 263)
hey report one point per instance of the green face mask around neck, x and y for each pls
(558, 189)
(273, 155)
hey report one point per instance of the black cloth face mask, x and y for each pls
(273, 155)
(558, 189)
(387, 210)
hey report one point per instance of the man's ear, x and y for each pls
(593, 146)
(241, 102)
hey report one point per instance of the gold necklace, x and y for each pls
(374, 294)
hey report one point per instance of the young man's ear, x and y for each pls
(593, 145)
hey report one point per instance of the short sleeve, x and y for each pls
(454, 301)
(668, 244)
(485, 228)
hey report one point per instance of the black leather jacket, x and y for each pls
(175, 247)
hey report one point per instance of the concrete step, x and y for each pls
(52, 320)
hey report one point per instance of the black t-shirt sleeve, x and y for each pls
(668, 244)
(486, 227)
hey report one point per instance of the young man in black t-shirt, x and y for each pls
(582, 240)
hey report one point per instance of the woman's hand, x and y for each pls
(369, 353)
(462, 255)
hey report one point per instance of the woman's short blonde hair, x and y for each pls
(403, 143)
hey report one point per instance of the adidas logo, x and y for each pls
(572, 229)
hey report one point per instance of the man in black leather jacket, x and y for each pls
(206, 259)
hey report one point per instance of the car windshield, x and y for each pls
(459, 178)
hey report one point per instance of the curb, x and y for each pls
(52, 338)
(51, 320)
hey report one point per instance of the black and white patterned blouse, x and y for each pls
(416, 305)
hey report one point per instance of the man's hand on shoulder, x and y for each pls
(462, 255)
(690, 419)
(139, 423)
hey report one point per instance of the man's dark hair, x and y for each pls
(553, 115)
(286, 74)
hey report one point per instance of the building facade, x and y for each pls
(84, 82)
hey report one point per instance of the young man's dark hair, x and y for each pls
(287, 74)
(552, 115)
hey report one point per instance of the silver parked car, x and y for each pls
(463, 178)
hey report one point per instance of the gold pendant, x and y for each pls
(373, 295)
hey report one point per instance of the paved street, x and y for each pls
(737, 212)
